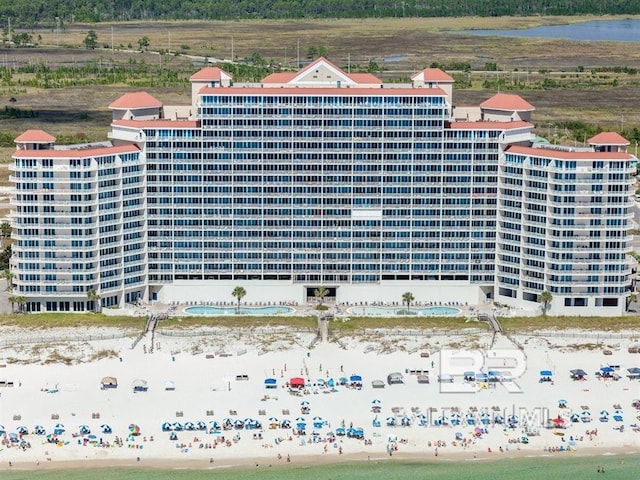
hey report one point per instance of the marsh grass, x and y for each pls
(607, 324)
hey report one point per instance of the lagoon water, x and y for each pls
(626, 30)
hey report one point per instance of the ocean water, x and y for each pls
(558, 465)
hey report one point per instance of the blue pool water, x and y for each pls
(211, 311)
(371, 311)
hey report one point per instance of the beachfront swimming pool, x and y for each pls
(212, 311)
(371, 311)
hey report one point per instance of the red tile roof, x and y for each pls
(78, 153)
(509, 102)
(209, 74)
(135, 100)
(437, 92)
(156, 123)
(364, 78)
(35, 136)
(434, 74)
(490, 125)
(567, 155)
(280, 77)
(286, 77)
(608, 138)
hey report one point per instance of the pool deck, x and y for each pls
(339, 310)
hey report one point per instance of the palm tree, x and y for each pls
(320, 293)
(407, 297)
(632, 298)
(545, 299)
(8, 276)
(13, 299)
(21, 301)
(239, 293)
(93, 296)
(5, 229)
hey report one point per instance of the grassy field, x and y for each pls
(566, 466)
(602, 99)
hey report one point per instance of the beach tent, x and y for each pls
(296, 382)
(169, 385)
(109, 382)
(106, 429)
(395, 378)
(140, 385)
(494, 375)
(270, 383)
(546, 373)
(633, 373)
(469, 376)
(578, 374)
(377, 384)
(482, 377)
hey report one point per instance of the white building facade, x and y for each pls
(322, 178)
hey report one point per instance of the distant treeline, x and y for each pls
(44, 12)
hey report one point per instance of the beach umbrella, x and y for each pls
(134, 429)
(167, 426)
(574, 417)
(304, 403)
(317, 419)
(604, 413)
(189, 426)
(177, 426)
(546, 373)
(273, 419)
(39, 430)
(84, 430)
(343, 380)
(58, 429)
(607, 369)
(2, 429)
(106, 428)
(22, 430)
(301, 419)
(512, 419)
(499, 419)
(376, 402)
(301, 426)
(200, 425)
(562, 402)
(340, 431)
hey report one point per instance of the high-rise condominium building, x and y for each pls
(322, 178)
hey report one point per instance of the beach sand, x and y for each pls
(219, 375)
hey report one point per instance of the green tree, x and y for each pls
(5, 230)
(8, 276)
(13, 299)
(143, 43)
(23, 38)
(407, 298)
(320, 293)
(93, 296)
(91, 40)
(22, 302)
(239, 293)
(545, 299)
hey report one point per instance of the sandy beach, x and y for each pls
(52, 389)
